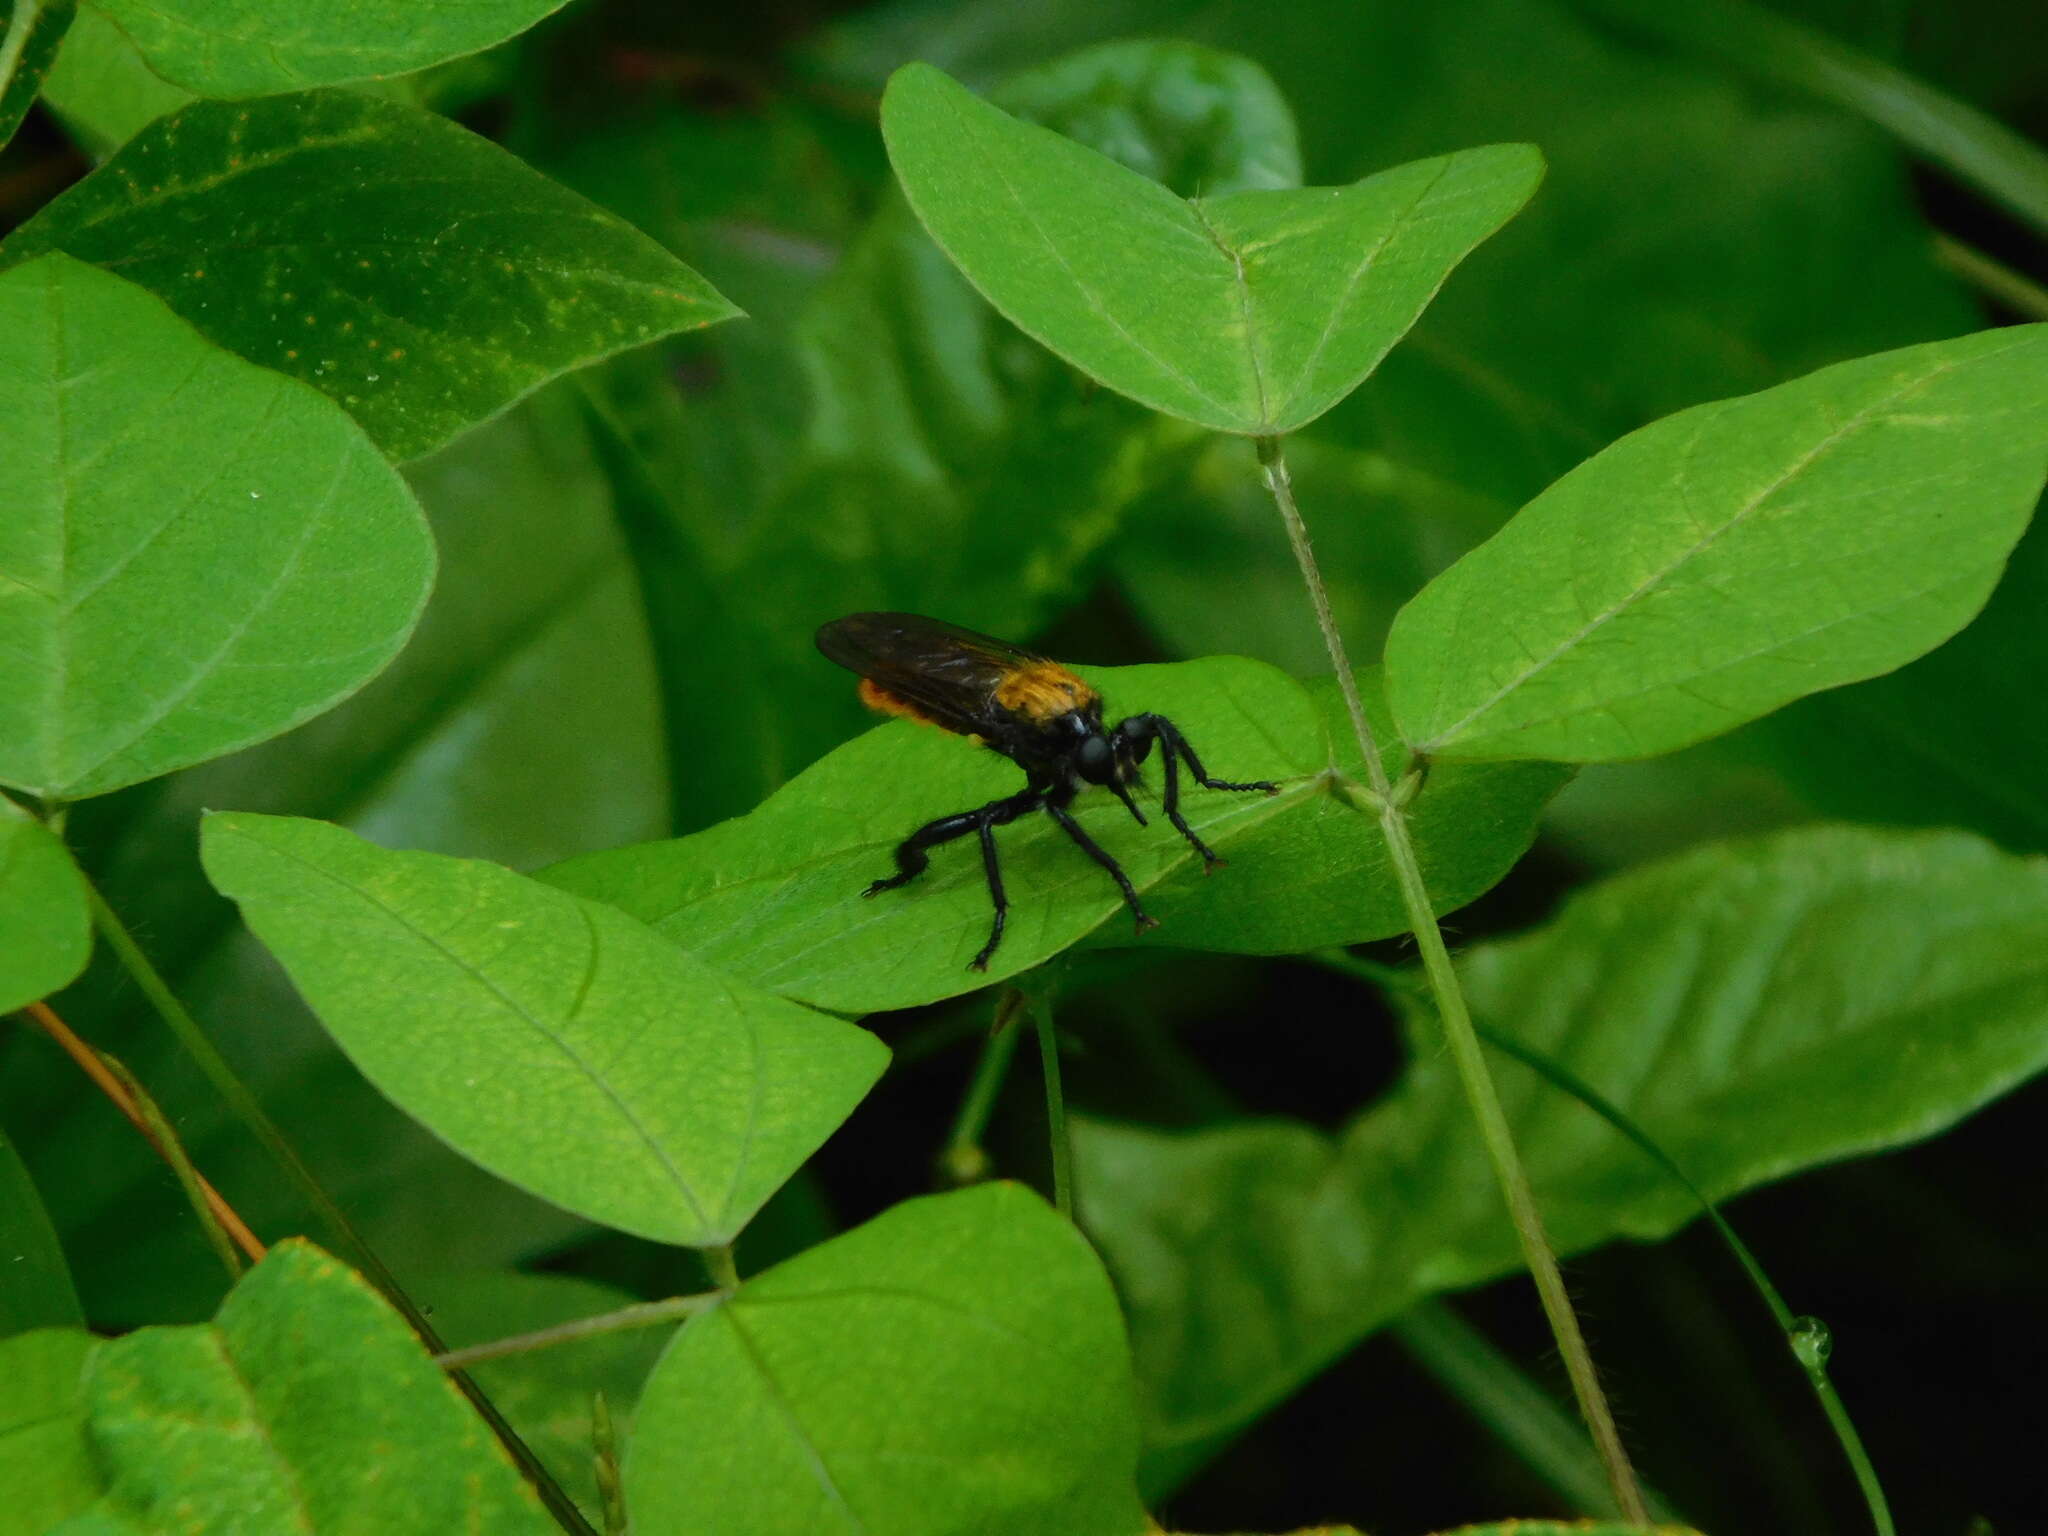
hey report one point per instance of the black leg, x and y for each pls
(1056, 808)
(912, 860)
(995, 891)
(1138, 732)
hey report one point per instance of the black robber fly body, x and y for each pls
(1031, 710)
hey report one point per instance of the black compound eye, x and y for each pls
(1095, 759)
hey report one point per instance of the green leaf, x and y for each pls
(476, 741)
(100, 88)
(248, 48)
(539, 1034)
(983, 1319)
(547, 1394)
(199, 553)
(1199, 121)
(1253, 312)
(416, 273)
(30, 31)
(45, 1464)
(1953, 740)
(266, 1418)
(1726, 560)
(1833, 990)
(35, 1282)
(774, 896)
(45, 927)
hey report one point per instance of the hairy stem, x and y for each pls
(1480, 1094)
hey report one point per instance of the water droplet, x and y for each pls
(1811, 1342)
(255, 495)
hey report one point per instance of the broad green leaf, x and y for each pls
(1200, 122)
(547, 1394)
(1726, 560)
(955, 1364)
(30, 31)
(1253, 312)
(268, 1417)
(195, 553)
(539, 1034)
(414, 272)
(1833, 990)
(477, 740)
(46, 1467)
(774, 896)
(101, 90)
(35, 1282)
(45, 929)
(1955, 739)
(249, 48)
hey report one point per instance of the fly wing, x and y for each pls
(949, 673)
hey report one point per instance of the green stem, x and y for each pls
(1799, 1332)
(643, 1314)
(1457, 1022)
(1992, 278)
(963, 1161)
(1055, 1110)
(343, 1233)
(1524, 1417)
(1745, 36)
(725, 1274)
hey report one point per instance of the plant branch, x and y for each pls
(963, 1160)
(227, 1229)
(1800, 1332)
(644, 1314)
(1480, 1094)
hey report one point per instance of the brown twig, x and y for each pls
(104, 1079)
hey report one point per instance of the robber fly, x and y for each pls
(1034, 712)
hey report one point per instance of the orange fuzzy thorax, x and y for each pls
(1042, 691)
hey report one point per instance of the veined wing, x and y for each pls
(946, 674)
